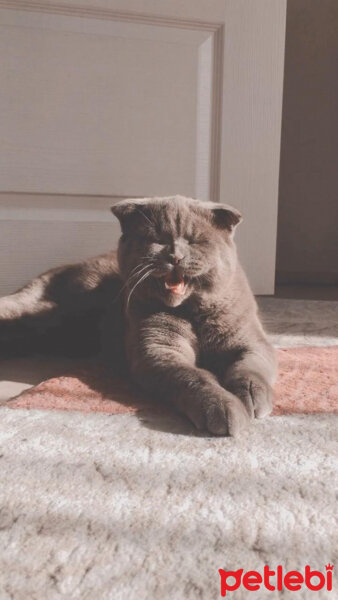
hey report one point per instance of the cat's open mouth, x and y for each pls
(174, 283)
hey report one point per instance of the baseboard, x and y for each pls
(307, 277)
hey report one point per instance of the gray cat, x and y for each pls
(174, 298)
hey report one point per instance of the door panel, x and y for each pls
(110, 107)
(110, 102)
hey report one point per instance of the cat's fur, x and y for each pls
(175, 299)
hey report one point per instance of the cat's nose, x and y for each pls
(174, 259)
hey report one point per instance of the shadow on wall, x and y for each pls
(307, 243)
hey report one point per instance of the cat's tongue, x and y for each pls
(175, 286)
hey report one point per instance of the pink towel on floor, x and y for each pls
(307, 383)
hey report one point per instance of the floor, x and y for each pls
(291, 322)
(94, 506)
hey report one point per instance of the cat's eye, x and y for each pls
(152, 239)
(160, 239)
(197, 241)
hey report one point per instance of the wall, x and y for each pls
(307, 242)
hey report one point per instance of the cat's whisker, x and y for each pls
(147, 258)
(138, 271)
(144, 276)
(131, 277)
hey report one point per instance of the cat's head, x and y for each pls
(173, 247)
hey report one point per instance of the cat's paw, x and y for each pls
(255, 393)
(220, 414)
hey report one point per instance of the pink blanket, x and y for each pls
(307, 383)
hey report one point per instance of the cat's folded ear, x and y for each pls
(223, 216)
(125, 209)
(226, 217)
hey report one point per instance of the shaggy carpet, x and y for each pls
(139, 506)
(121, 507)
(307, 382)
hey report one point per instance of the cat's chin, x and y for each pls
(170, 299)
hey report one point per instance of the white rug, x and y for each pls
(110, 508)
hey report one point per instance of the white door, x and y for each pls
(103, 100)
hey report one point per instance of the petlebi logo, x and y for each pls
(276, 579)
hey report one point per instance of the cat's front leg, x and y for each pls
(251, 378)
(195, 393)
(163, 362)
